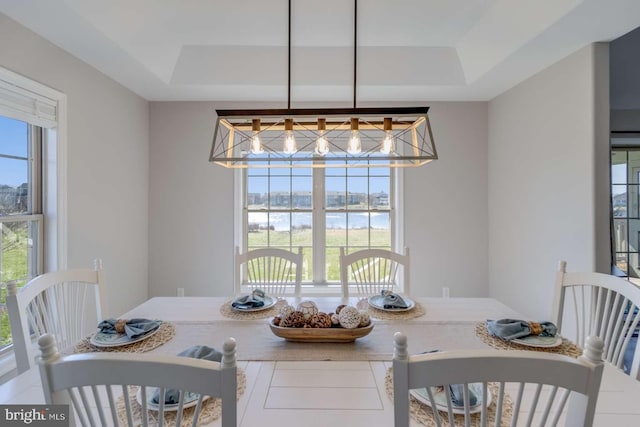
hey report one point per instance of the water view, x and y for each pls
(285, 221)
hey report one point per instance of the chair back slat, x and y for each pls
(516, 404)
(194, 423)
(562, 403)
(485, 391)
(127, 404)
(180, 409)
(112, 406)
(76, 405)
(145, 406)
(99, 405)
(547, 410)
(85, 405)
(433, 405)
(534, 404)
(499, 405)
(615, 327)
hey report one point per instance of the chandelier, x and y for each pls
(332, 137)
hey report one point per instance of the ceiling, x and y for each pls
(407, 50)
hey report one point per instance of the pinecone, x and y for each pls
(294, 319)
(320, 320)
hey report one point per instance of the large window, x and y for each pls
(21, 222)
(320, 210)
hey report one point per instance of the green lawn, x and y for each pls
(14, 254)
(335, 238)
(14, 267)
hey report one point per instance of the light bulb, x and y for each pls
(388, 144)
(354, 146)
(322, 145)
(289, 143)
(290, 146)
(256, 145)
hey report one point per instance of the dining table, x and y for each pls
(322, 384)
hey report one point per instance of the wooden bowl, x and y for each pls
(320, 334)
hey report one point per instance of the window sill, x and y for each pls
(7, 367)
(308, 289)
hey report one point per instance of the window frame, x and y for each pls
(35, 254)
(627, 142)
(34, 166)
(318, 282)
(25, 99)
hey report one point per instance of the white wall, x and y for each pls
(446, 210)
(192, 217)
(107, 164)
(548, 144)
(190, 204)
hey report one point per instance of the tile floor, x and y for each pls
(321, 394)
(316, 394)
(324, 394)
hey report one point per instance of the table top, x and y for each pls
(320, 393)
(203, 309)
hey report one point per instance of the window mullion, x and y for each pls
(318, 219)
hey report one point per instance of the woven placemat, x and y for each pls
(227, 311)
(567, 347)
(166, 331)
(210, 411)
(374, 313)
(424, 414)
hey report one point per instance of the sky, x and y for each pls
(618, 175)
(358, 181)
(13, 142)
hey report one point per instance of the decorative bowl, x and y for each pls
(320, 334)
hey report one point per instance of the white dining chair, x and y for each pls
(372, 270)
(276, 271)
(91, 383)
(588, 303)
(67, 304)
(544, 387)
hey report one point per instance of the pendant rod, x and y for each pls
(289, 63)
(355, 48)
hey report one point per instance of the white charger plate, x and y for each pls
(441, 398)
(268, 303)
(100, 339)
(190, 400)
(377, 301)
(538, 341)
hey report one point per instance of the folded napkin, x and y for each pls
(134, 328)
(457, 395)
(509, 329)
(456, 391)
(391, 300)
(255, 299)
(172, 396)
